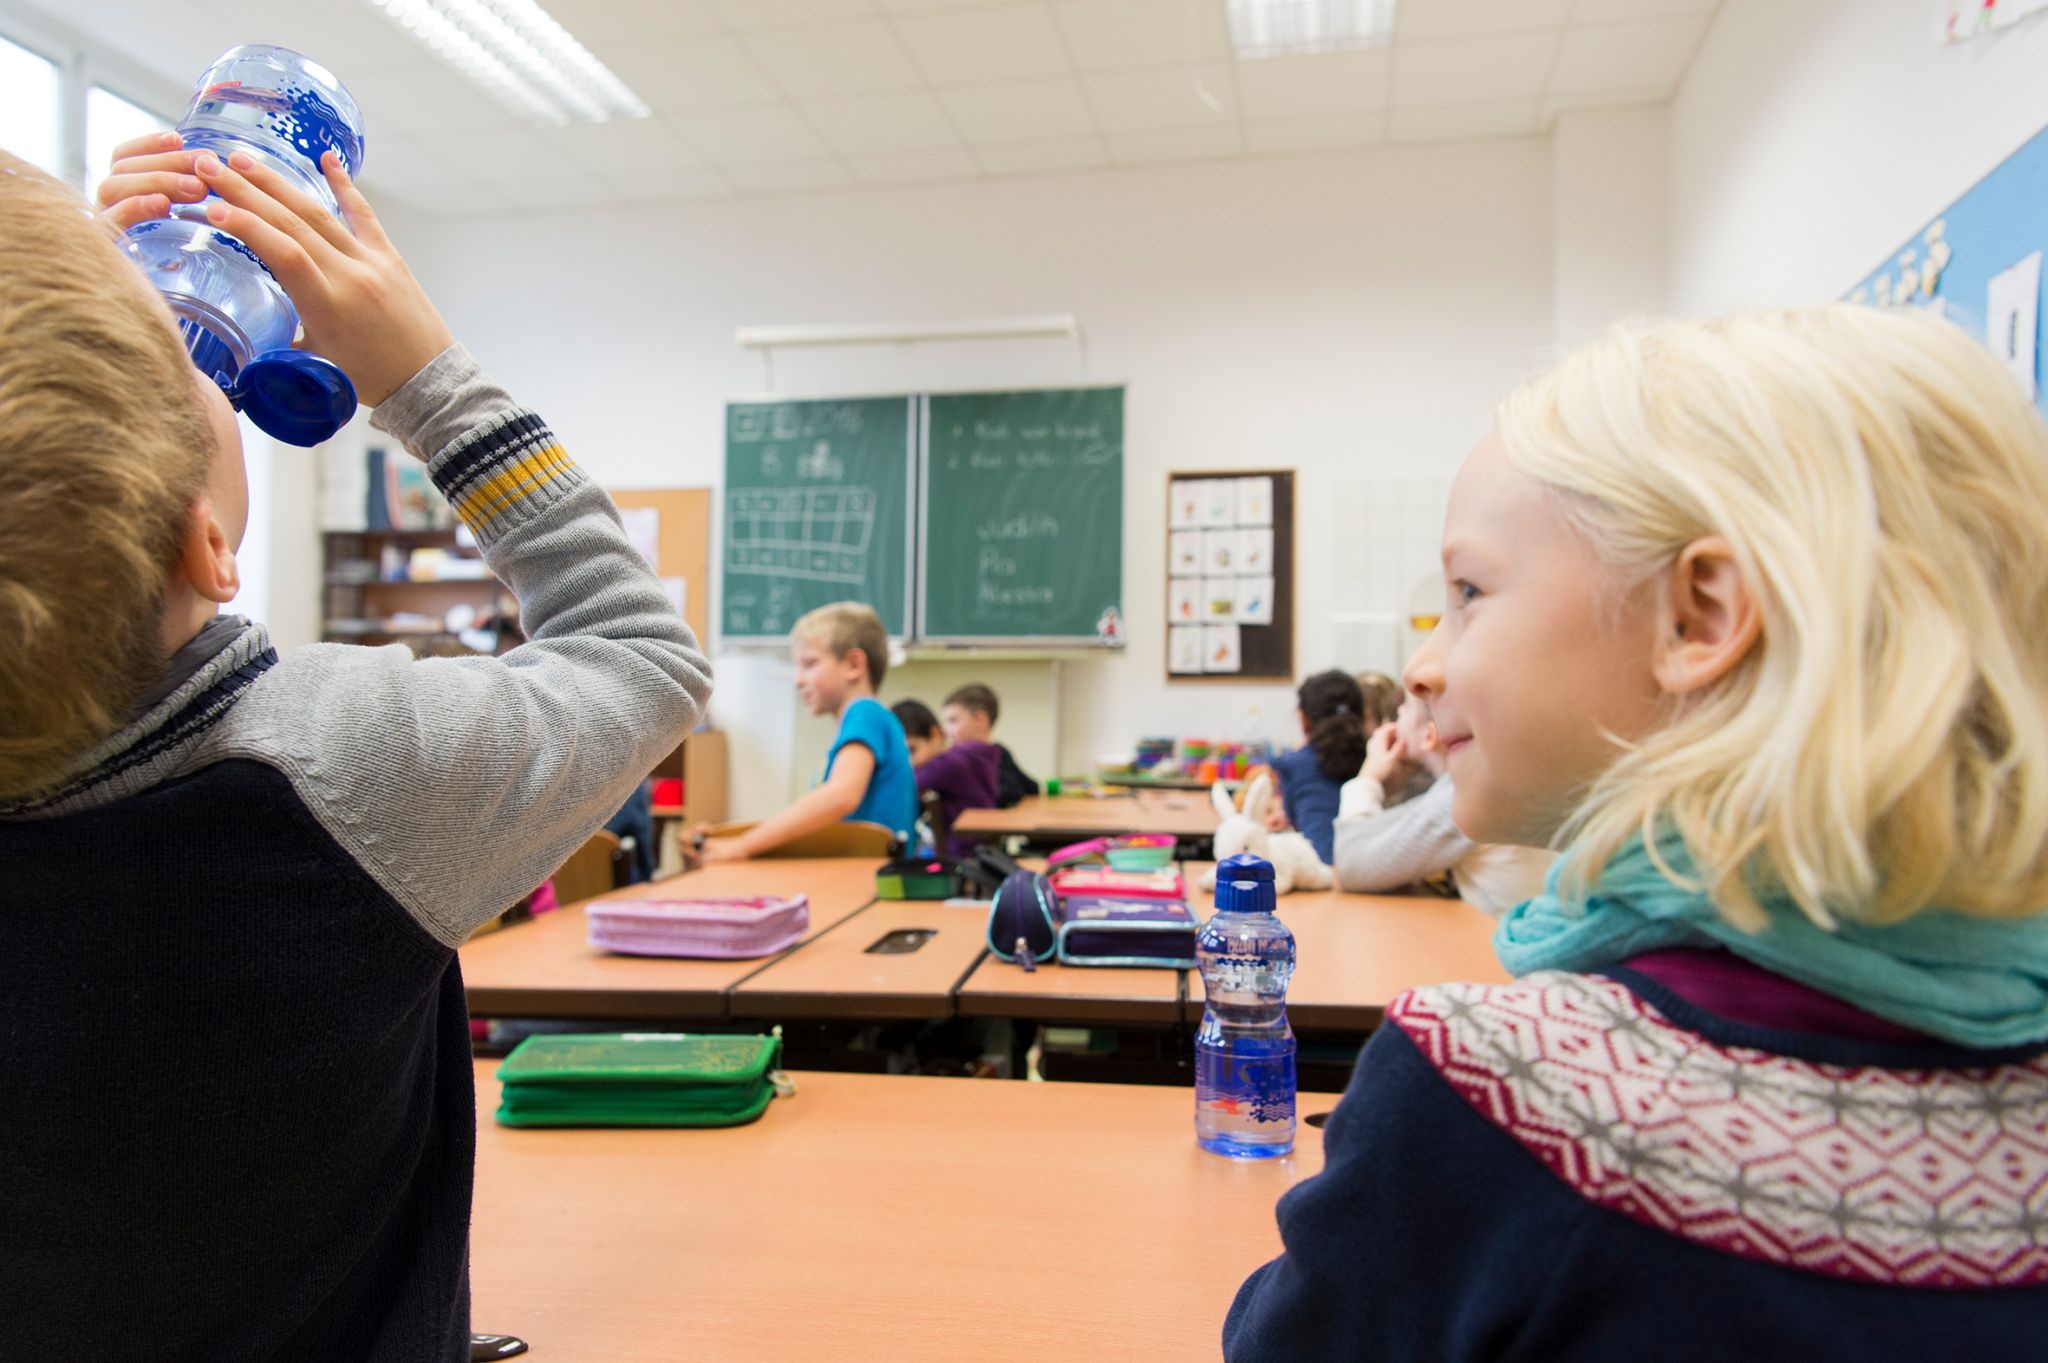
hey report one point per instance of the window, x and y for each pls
(109, 121)
(29, 108)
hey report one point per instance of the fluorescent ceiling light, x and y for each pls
(518, 52)
(1291, 28)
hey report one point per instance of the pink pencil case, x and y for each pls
(717, 929)
(1105, 883)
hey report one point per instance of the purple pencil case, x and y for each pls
(715, 929)
(1094, 930)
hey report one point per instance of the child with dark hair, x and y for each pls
(970, 714)
(963, 775)
(1332, 719)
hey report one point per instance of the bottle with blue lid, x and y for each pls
(239, 325)
(1244, 1050)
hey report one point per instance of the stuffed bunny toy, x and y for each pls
(1295, 863)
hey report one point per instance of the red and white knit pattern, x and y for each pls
(1929, 1178)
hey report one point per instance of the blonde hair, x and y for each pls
(103, 449)
(844, 626)
(1883, 483)
(1383, 697)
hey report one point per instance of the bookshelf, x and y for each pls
(412, 587)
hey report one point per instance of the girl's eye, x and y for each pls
(1465, 592)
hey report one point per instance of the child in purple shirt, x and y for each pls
(962, 777)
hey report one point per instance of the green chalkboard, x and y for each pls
(817, 503)
(1022, 516)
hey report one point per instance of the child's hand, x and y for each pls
(358, 302)
(1386, 753)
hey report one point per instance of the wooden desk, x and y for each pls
(1045, 817)
(547, 968)
(877, 1217)
(835, 975)
(1073, 994)
(1355, 952)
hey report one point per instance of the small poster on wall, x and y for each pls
(1184, 649)
(1255, 501)
(1184, 553)
(1219, 501)
(1184, 601)
(1184, 505)
(1222, 649)
(1219, 598)
(1255, 601)
(1219, 552)
(1255, 551)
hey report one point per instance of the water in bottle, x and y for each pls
(285, 110)
(1244, 1052)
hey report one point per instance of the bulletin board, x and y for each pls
(1230, 575)
(1978, 263)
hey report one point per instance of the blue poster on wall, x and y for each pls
(1979, 263)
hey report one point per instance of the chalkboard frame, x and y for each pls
(913, 479)
(1267, 651)
(1064, 643)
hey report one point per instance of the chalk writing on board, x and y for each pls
(821, 534)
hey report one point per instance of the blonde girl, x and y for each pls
(1749, 618)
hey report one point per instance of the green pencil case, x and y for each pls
(639, 1079)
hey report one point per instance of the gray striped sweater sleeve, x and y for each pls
(459, 784)
(1389, 848)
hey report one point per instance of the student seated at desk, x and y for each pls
(239, 1112)
(970, 716)
(962, 776)
(1752, 615)
(1394, 826)
(1311, 776)
(841, 652)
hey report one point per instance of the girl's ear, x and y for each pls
(1710, 620)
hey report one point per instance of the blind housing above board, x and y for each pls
(1018, 538)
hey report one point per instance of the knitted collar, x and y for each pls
(1973, 981)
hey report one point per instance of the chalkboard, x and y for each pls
(1022, 517)
(817, 500)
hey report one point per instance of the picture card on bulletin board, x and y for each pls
(1238, 527)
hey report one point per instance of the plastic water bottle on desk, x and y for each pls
(286, 111)
(1244, 1052)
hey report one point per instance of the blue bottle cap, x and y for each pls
(1244, 884)
(300, 398)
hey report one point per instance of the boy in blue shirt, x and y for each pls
(841, 652)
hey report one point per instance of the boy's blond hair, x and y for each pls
(103, 449)
(843, 627)
(1884, 484)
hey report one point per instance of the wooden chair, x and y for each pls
(848, 839)
(591, 869)
(935, 818)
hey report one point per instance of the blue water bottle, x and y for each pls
(1244, 1052)
(284, 110)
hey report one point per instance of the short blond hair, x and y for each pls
(1883, 483)
(843, 627)
(103, 449)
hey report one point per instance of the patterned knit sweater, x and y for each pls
(239, 1115)
(1597, 1167)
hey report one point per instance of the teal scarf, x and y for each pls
(1977, 982)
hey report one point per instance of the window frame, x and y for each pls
(81, 64)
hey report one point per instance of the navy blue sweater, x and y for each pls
(1588, 1168)
(237, 1113)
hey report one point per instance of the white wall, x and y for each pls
(1350, 316)
(1811, 137)
(1610, 217)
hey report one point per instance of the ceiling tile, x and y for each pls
(821, 60)
(677, 186)
(1025, 158)
(415, 173)
(345, 38)
(1620, 11)
(882, 123)
(175, 39)
(698, 73)
(1027, 111)
(1316, 134)
(1608, 59)
(744, 14)
(735, 137)
(1303, 87)
(915, 6)
(1170, 97)
(1461, 121)
(1475, 70)
(790, 177)
(499, 160)
(1426, 19)
(916, 167)
(1117, 35)
(1179, 144)
(962, 46)
(427, 99)
(627, 147)
(642, 20)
